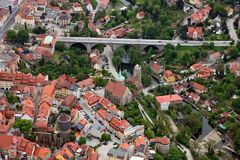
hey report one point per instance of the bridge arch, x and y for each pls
(153, 47)
(100, 47)
(80, 46)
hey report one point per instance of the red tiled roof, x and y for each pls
(155, 67)
(168, 98)
(124, 146)
(102, 113)
(215, 55)
(195, 30)
(168, 73)
(162, 140)
(198, 86)
(139, 140)
(69, 100)
(117, 89)
(196, 66)
(86, 82)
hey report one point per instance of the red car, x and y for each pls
(78, 107)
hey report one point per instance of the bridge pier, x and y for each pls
(89, 48)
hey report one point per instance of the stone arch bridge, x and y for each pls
(115, 43)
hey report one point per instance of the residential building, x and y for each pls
(195, 33)
(45, 106)
(196, 3)
(204, 72)
(193, 97)
(165, 101)
(169, 76)
(104, 4)
(3, 103)
(8, 80)
(140, 147)
(199, 88)
(156, 68)
(63, 20)
(25, 16)
(214, 57)
(77, 7)
(121, 153)
(201, 15)
(69, 102)
(19, 147)
(6, 121)
(9, 61)
(118, 93)
(4, 13)
(162, 144)
(196, 66)
(28, 109)
(86, 84)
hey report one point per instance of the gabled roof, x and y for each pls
(117, 89)
(168, 98)
(162, 140)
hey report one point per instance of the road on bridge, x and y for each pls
(117, 41)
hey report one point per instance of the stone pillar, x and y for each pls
(89, 48)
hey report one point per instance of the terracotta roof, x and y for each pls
(49, 90)
(168, 98)
(215, 55)
(117, 89)
(155, 67)
(102, 113)
(195, 30)
(168, 73)
(41, 2)
(124, 146)
(105, 2)
(204, 72)
(6, 142)
(139, 140)
(162, 140)
(86, 82)
(196, 66)
(43, 51)
(198, 86)
(69, 100)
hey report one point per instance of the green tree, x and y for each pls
(105, 137)
(11, 36)
(24, 125)
(72, 136)
(22, 36)
(237, 140)
(99, 81)
(234, 52)
(194, 121)
(146, 80)
(82, 140)
(149, 133)
(175, 154)
(11, 98)
(158, 157)
(236, 105)
(60, 46)
(39, 30)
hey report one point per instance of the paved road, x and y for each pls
(118, 41)
(231, 29)
(108, 53)
(11, 20)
